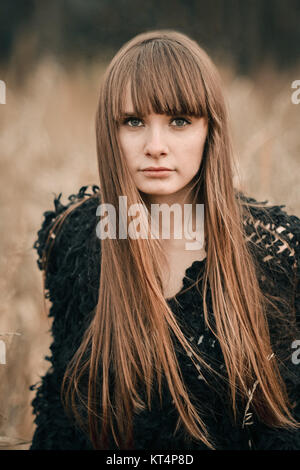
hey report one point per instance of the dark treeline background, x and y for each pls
(245, 32)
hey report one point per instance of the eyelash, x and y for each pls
(132, 118)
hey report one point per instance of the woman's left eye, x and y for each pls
(182, 122)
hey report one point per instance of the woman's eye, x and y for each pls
(133, 122)
(181, 122)
(137, 122)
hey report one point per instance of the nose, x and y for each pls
(155, 145)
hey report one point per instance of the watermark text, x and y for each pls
(296, 354)
(139, 226)
(2, 92)
(296, 94)
(2, 352)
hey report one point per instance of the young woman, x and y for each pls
(157, 346)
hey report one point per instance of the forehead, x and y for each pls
(147, 105)
(127, 100)
(142, 107)
(143, 94)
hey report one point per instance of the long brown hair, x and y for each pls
(128, 345)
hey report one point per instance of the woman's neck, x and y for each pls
(178, 225)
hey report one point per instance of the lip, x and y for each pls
(157, 173)
(160, 168)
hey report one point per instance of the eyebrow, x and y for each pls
(132, 114)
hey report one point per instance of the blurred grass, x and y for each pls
(47, 146)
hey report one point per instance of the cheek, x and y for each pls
(126, 147)
(194, 151)
(123, 142)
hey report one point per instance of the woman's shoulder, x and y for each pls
(273, 232)
(66, 244)
(66, 225)
(273, 237)
(67, 254)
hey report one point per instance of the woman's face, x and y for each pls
(172, 142)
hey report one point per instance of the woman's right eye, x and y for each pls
(133, 121)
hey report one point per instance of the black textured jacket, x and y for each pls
(72, 287)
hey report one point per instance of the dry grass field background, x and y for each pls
(47, 146)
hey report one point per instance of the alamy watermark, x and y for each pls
(295, 98)
(3, 346)
(296, 354)
(2, 92)
(2, 352)
(139, 226)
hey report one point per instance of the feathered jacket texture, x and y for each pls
(72, 287)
